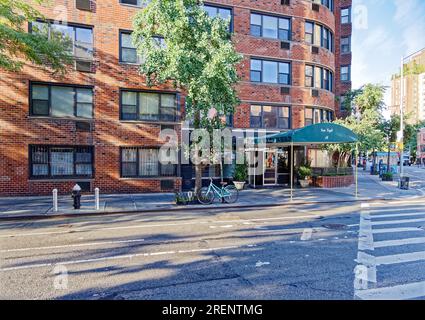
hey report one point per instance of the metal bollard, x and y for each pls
(96, 198)
(55, 200)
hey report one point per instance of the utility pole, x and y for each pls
(401, 117)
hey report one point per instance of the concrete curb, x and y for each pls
(177, 209)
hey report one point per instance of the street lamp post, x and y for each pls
(401, 118)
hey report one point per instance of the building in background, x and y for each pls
(99, 125)
(420, 153)
(414, 90)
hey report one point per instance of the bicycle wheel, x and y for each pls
(205, 196)
(230, 194)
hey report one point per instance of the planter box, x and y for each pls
(334, 182)
(387, 178)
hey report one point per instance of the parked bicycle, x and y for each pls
(227, 193)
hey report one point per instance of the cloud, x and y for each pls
(409, 17)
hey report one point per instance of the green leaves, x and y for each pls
(198, 56)
(17, 45)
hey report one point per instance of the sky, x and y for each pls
(383, 32)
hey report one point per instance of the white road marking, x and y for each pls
(88, 244)
(158, 226)
(399, 242)
(395, 215)
(400, 258)
(400, 292)
(396, 230)
(117, 257)
(260, 264)
(379, 223)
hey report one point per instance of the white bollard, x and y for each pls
(55, 200)
(96, 198)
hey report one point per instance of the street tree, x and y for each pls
(365, 106)
(196, 54)
(18, 46)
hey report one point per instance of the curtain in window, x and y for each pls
(62, 162)
(129, 162)
(148, 165)
(149, 106)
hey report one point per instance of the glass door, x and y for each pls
(270, 168)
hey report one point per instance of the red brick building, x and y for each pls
(99, 124)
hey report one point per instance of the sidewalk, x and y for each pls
(370, 188)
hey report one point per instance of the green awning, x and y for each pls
(322, 133)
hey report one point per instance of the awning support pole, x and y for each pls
(357, 168)
(292, 171)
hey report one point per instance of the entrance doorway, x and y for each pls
(270, 168)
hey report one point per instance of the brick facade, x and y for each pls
(109, 133)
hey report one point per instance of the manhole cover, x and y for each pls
(335, 226)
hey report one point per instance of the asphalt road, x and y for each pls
(303, 252)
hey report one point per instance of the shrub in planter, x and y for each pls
(388, 176)
(240, 176)
(304, 173)
(180, 199)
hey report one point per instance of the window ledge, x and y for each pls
(60, 179)
(60, 118)
(271, 39)
(150, 122)
(151, 178)
(271, 84)
(129, 64)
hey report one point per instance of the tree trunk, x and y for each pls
(198, 178)
(198, 166)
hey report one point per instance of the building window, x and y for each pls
(270, 117)
(148, 106)
(345, 73)
(79, 40)
(319, 35)
(309, 76)
(137, 3)
(270, 71)
(144, 162)
(316, 115)
(346, 15)
(61, 101)
(60, 162)
(318, 77)
(223, 13)
(270, 27)
(128, 51)
(327, 3)
(345, 45)
(309, 32)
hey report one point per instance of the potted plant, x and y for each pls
(388, 176)
(240, 175)
(180, 199)
(304, 174)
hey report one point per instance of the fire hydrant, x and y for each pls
(76, 196)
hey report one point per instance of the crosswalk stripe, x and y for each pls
(400, 292)
(400, 258)
(375, 216)
(398, 242)
(378, 223)
(396, 230)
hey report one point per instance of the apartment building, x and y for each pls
(99, 125)
(414, 90)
